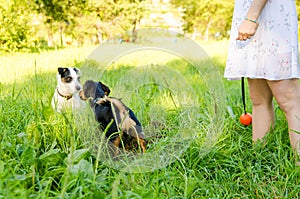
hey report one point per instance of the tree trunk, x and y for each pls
(61, 36)
(206, 35)
(50, 36)
(134, 32)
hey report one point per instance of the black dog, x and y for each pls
(115, 118)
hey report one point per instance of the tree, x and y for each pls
(15, 26)
(118, 16)
(133, 12)
(207, 16)
(62, 12)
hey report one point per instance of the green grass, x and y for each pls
(195, 150)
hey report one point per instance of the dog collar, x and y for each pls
(67, 97)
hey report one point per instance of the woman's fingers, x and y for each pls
(246, 30)
(243, 36)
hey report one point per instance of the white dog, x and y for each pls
(66, 94)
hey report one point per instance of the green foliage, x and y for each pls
(115, 17)
(63, 10)
(43, 24)
(206, 17)
(31, 25)
(15, 26)
(209, 17)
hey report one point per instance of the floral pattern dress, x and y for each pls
(272, 53)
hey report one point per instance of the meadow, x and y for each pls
(196, 146)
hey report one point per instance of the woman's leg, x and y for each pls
(287, 95)
(262, 108)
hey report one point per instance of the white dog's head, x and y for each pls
(69, 80)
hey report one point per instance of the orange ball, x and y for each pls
(246, 119)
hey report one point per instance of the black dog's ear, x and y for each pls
(61, 70)
(105, 88)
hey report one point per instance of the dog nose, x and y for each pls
(78, 88)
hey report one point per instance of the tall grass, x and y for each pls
(48, 155)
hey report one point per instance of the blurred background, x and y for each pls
(33, 25)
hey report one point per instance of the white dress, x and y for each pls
(272, 53)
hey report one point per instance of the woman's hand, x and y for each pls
(247, 30)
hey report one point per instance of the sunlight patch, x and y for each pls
(174, 89)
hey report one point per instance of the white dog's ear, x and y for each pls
(78, 72)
